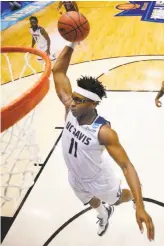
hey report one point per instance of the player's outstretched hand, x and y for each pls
(158, 103)
(143, 217)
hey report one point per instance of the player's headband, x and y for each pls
(87, 94)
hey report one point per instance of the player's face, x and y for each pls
(80, 105)
(34, 23)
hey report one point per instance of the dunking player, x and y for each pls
(159, 95)
(68, 5)
(40, 37)
(86, 134)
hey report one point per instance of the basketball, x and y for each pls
(73, 26)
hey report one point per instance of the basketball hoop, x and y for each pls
(19, 152)
(17, 109)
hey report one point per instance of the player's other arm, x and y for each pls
(46, 36)
(109, 138)
(159, 95)
(33, 42)
(62, 83)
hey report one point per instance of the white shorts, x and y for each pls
(100, 188)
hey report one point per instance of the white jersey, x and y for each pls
(41, 42)
(81, 148)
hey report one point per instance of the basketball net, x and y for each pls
(19, 151)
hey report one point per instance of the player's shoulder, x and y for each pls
(107, 135)
(105, 129)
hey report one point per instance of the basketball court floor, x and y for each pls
(127, 54)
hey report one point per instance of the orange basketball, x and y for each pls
(73, 26)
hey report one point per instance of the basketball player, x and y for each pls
(68, 5)
(159, 95)
(86, 134)
(40, 37)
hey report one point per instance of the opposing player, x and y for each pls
(40, 37)
(159, 95)
(68, 5)
(86, 134)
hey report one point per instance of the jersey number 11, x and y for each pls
(73, 143)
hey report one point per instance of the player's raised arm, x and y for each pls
(62, 83)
